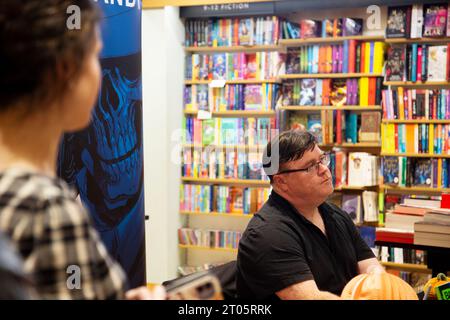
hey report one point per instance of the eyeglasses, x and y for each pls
(324, 160)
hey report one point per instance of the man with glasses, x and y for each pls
(298, 246)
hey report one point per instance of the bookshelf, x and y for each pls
(330, 40)
(321, 108)
(418, 40)
(415, 155)
(416, 84)
(217, 214)
(328, 75)
(228, 182)
(217, 249)
(234, 48)
(407, 267)
(416, 121)
(287, 110)
(415, 190)
(246, 81)
(237, 113)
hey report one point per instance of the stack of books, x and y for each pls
(434, 230)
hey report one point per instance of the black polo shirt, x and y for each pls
(280, 247)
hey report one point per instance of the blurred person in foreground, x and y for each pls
(49, 82)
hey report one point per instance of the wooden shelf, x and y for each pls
(407, 267)
(356, 188)
(254, 48)
(299, 42)
(321, 108)
(237, 182)
(415, 189)
(246, 81)
(415, 155)
(225, 147)
(352, 145)
(237, 113)
(416, 84)
(416, 121)
(418, 40)
(184, 246)
(217, 214)
(328, 75)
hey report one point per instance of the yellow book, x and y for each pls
(401, 105)
(378, 57)
(389, 141)
(269, 98)
(258, 65)
(439, 173)
(364, 91)
(367, 57)
(431, 138)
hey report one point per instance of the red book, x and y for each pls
(419, 63)
(394, 235)
(339, 127)
(372, 91)
(351, 56)
(362, 68)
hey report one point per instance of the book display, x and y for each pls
(379, 104)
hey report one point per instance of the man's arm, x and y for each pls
(368, 265)
(306, 290)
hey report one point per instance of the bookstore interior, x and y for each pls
(218, 80)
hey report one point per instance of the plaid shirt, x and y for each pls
(53, 232)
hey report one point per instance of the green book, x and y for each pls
(443, 291)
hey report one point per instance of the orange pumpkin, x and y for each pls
(378, 286)
(429, 287)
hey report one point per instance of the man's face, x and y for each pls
(314, 185)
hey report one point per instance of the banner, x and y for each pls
(104, 163)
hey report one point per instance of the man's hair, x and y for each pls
(39, 55)
(291, 146)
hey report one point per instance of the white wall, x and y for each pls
(162, 71)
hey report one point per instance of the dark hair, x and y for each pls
(291, 146)
(35, 44)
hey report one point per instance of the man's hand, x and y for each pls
(144, 293)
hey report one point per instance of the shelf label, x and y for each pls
(217, 83)
(203, 115)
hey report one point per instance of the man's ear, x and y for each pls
(280, 182)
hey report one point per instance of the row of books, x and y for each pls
(222, 199)
(337, 92)
(209, 238)
(415, 138)
(402, 255)
(434, 230)
(214, 164)
(418, 63)
(235, 66)
(361, 207)
(352, 56)
(229, 131)
(232, 31)
(231, 97)
(418, 20)
(337, 126)
(307, 28)
(407, 171)
(409, 104)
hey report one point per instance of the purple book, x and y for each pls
(335, 59)
(349, 92)
(341, 57)
(355, 92)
